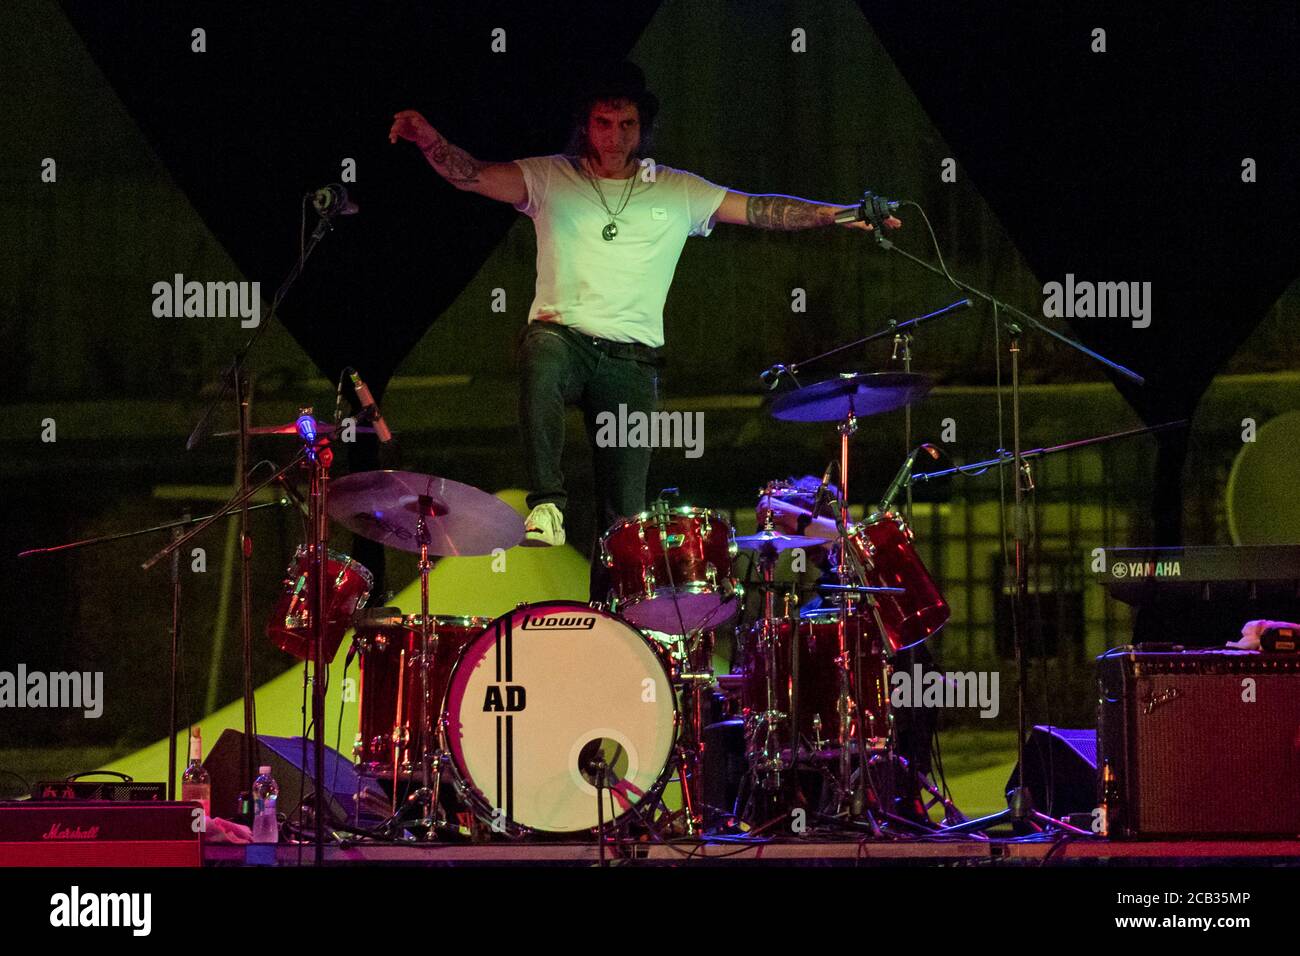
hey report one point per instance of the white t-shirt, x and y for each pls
(611, 289)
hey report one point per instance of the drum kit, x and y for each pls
(568, 718)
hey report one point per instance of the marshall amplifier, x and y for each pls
(86, 833)
(1199, 743)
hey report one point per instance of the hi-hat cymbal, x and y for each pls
(861, 394)
(291, 428)
(776, 540)
(461, 520)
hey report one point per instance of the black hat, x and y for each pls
(616, 81)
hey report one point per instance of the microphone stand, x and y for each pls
(173, 691)
(235, 376)
(1020, 804)
(175, 528)
(772, 377)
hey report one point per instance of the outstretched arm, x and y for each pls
(503, 181)
(786, 213)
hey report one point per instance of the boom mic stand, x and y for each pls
(1020, 804)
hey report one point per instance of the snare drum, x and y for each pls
(538, 697)
(883, 544)
(388, 702)
(671, 571)
(347, 586)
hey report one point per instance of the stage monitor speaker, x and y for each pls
(1060, 770)
(284, 756)
(1201, 743)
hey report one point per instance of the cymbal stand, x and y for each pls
(852, 575)
(426, 798)
(319, 457)
(692, 680)
(763, 738)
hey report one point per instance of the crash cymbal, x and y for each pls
(325, 429)
(461, 520)
(862, 394)
(776, 540)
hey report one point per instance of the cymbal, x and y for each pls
(863, 393)
(776, 540)
(291, 428)
(460, 519)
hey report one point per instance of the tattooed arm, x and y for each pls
(786, 213)
(503, 181)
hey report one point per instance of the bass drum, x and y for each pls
(539, 697)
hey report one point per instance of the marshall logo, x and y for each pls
(57, 832)
(556, 623)
(1147, 569)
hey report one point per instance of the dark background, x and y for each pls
(1115, 166)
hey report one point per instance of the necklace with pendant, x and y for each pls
(610, 230)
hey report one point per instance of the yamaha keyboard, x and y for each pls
(1145, 576)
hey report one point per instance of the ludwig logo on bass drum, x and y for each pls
(559, 623)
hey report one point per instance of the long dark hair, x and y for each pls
(622, 82)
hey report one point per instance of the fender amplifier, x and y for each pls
(1199, 743)
(91, 833)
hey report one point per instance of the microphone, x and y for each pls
(874, 209)
(307, 432)
(368, 404)
(290, 491)
(905, 473)
(332, 200)
(772, 376)
(820, 499)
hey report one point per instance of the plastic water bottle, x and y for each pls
(266, 825)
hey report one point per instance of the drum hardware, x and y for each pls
(693, 685)
(427, 515)
(862, 729)
(764, 743)
(843, 399)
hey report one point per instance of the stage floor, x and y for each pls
(810, 852)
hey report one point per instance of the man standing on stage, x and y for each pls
(609, 235)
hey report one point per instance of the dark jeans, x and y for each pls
(561, 367)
